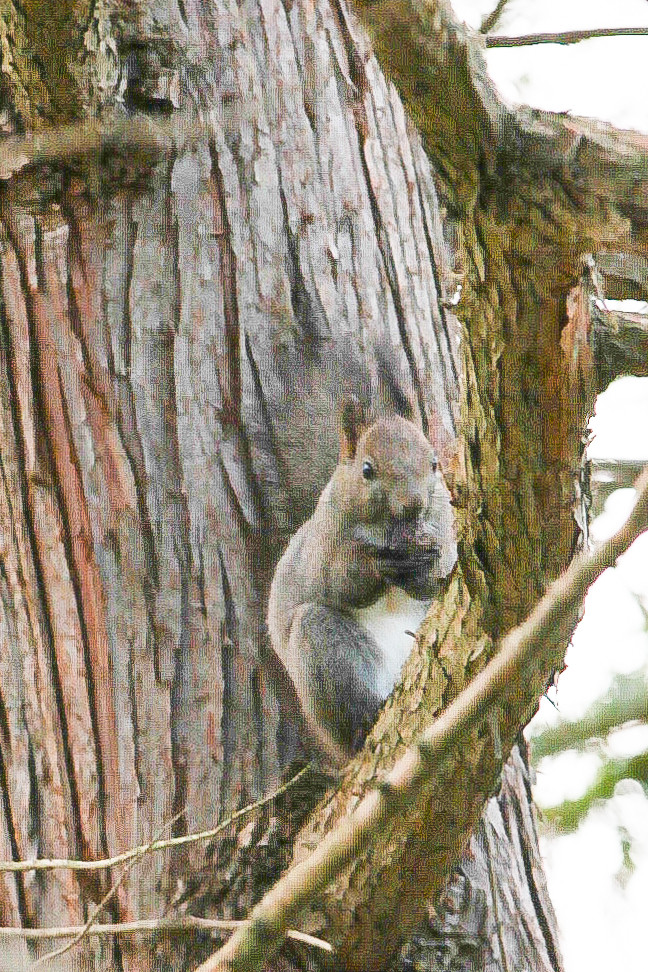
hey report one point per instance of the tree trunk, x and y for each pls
(180, 315)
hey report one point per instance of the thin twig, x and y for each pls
(564, 37)
(108, 896)
(141, 852)
(493, 18)
(49, 864)
(535, 642)
(181, 924)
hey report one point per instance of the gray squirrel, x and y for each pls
(358, 574)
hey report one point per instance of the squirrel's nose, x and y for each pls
(411, 504)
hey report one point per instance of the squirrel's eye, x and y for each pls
(435, 465)
(368, 470)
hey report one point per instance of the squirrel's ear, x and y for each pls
(353, 421)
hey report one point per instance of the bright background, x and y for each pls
(598, 876)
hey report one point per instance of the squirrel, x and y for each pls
(358, 574)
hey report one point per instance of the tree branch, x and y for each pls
(509, 685)
(562, 37)
(575, 184)
(107, 898)
(625, 275)
(619, 342)
(625, 701)
(184, 923)
(54, 863)
(471, 135)
(66, 142)
(492, 19)
(440, 73)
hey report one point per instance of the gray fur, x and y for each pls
(367, 536)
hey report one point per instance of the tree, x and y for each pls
(239, 223)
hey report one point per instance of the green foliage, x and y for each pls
(568, 815)
(626, 701)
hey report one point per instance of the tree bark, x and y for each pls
(177, 326)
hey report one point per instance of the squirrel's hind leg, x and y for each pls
(334, 663)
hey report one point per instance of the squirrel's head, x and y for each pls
(394, 500)
(390, 466)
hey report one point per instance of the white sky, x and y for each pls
(602, 919)
(601, 909)
(604, 78)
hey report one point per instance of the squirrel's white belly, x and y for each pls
(392, 621)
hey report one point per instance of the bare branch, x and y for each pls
(107, 898)
(596, 174)
(625, 267)
(184, 923)
(625, 275)
(63, 143)
(492, 19)
(535, 646)
(51, 864)
(619, 341)
(563, 37)
(139, 853)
